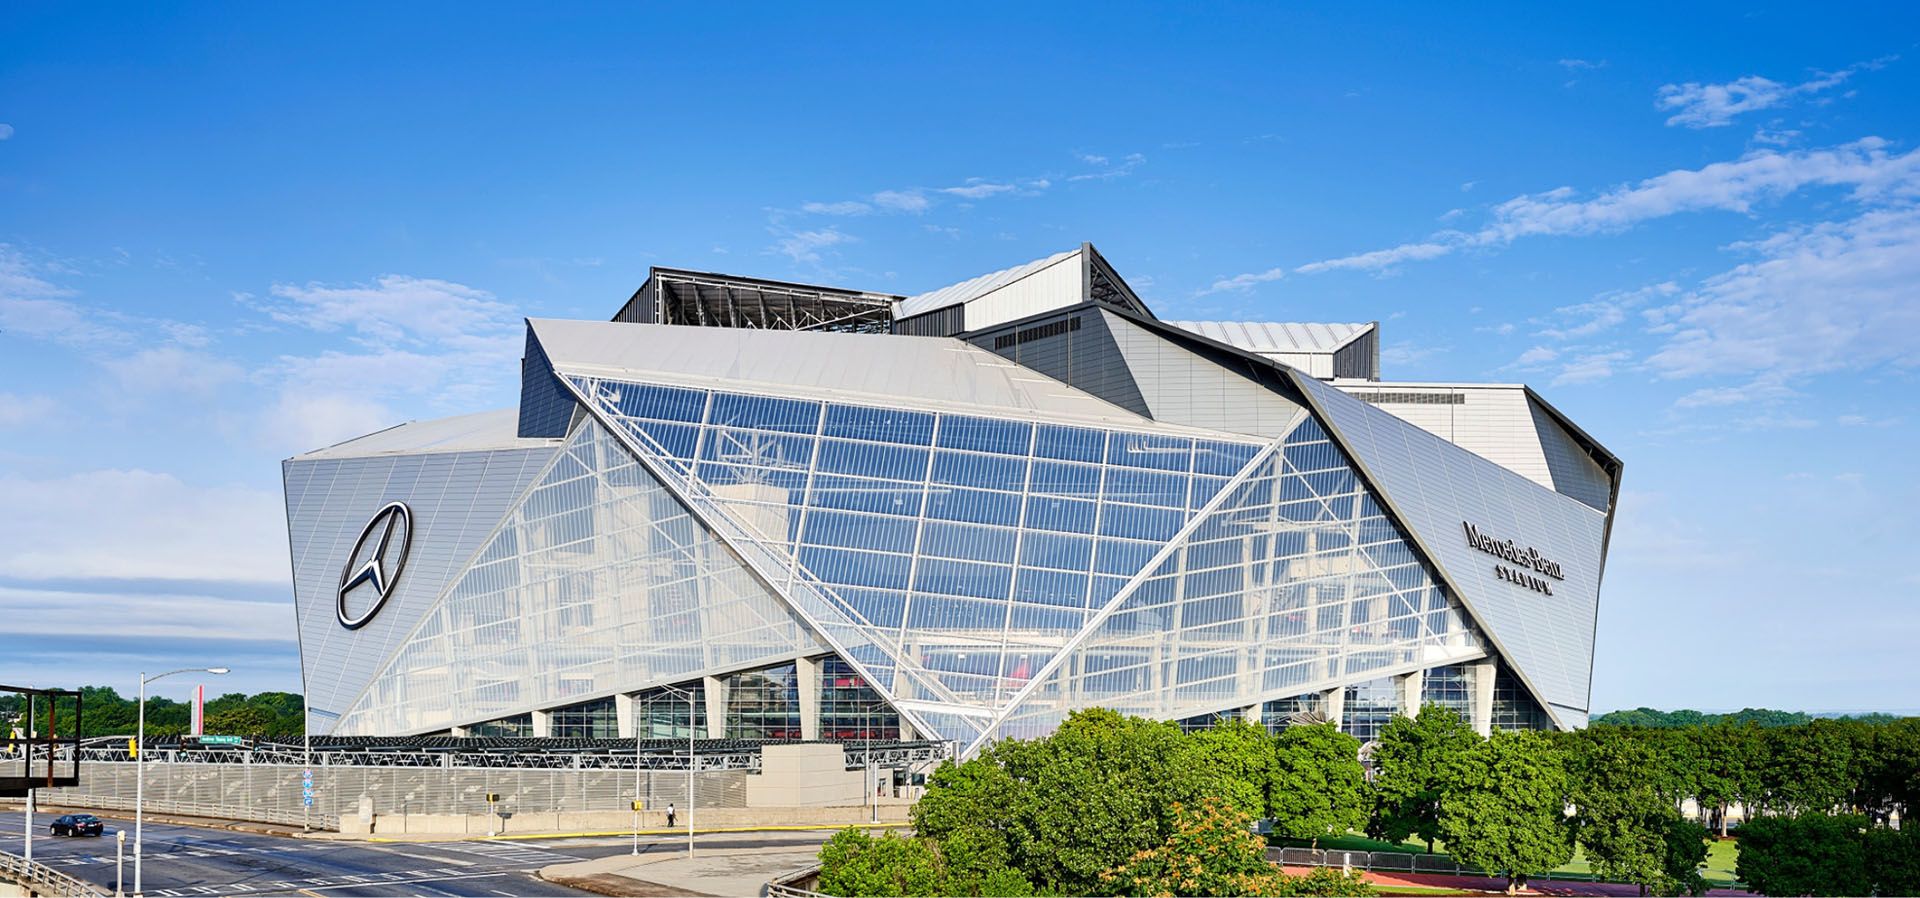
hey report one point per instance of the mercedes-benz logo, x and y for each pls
(381, 569)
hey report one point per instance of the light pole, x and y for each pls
(693, 717)
(140, 763)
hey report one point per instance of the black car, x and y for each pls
(77, 825)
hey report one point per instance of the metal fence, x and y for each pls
(40, 879)
(273, 792)
(1383, 861)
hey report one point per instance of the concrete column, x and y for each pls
(461, 732)
(1333, 703)
(1481, 676)
(623, 717)
(1407, 688)
(542, 724)
(716, 689)
(1251, 713)
(807, 671)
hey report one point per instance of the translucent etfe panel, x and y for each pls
(1296, 583)
(599, 581)
(951, 555)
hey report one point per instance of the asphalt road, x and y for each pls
(191, 862)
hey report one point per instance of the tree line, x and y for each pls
(1119, 805)
(1765, 717)
(105, 713)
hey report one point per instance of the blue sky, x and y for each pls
(228, 235)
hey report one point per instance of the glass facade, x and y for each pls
(1513, 708)
(517, 725)
(595, 719)
(664, 713)
(1367, 707)
(958, 556)
(1451, 687)
(597, 580)
(764, 704)
(850, 710)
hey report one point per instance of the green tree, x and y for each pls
(1723, 763)
(1414, 765)
(1686, 844)
(241, 720)
(1893, 860)
(1806, 767)
(976, 863)
(1812, 854)
(1622, 819)
(854, 864)
(1317, 788)
(1211, 851)
(1507, 814)
(1232, 761)
(1094, 793)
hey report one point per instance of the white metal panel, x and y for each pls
(1435, 487)
(1055, 286)
(923, 372)
(1493, 421)
(972, 288)
(497, 429)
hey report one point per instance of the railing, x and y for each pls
(1383, 861)
(40, 879)
(1405, 862)
(793, 883)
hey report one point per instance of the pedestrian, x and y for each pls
(669, 814)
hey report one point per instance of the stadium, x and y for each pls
(762, 511)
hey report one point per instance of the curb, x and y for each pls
(768, 828)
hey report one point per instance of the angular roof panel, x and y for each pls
(974, 288)
(497, 429)
(1277, 336)
(927, 372)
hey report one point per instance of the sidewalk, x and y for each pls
(669, 872)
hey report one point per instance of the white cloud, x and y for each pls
(32, 306)
(1835, 296)
(1590, 367)
(805, 246)
(304, 419)
(397, 309)
(133, 524)
(1106, 169)
(1582, 65)
(1605, 311)
(1380, 259)
(17, 410)
(6, 131)
(1777, 138)
(1700, 105)
(1760, 390)
(172, 369)
(849, 207)
(1873, 174)
(1244, 282)
(155, 615)
(1537, 355)
(977, 188)
(901, 200)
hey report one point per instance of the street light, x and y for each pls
(140, 763)
(693, 718)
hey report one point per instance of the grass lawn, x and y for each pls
(1721, 855)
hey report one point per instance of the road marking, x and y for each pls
(438, 860)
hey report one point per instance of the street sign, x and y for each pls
(220, 740)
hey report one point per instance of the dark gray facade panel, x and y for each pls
(1575, 473)
(947, 322)
(1360, 359)
(546, 408)
(640, 308)
(1075, 347)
